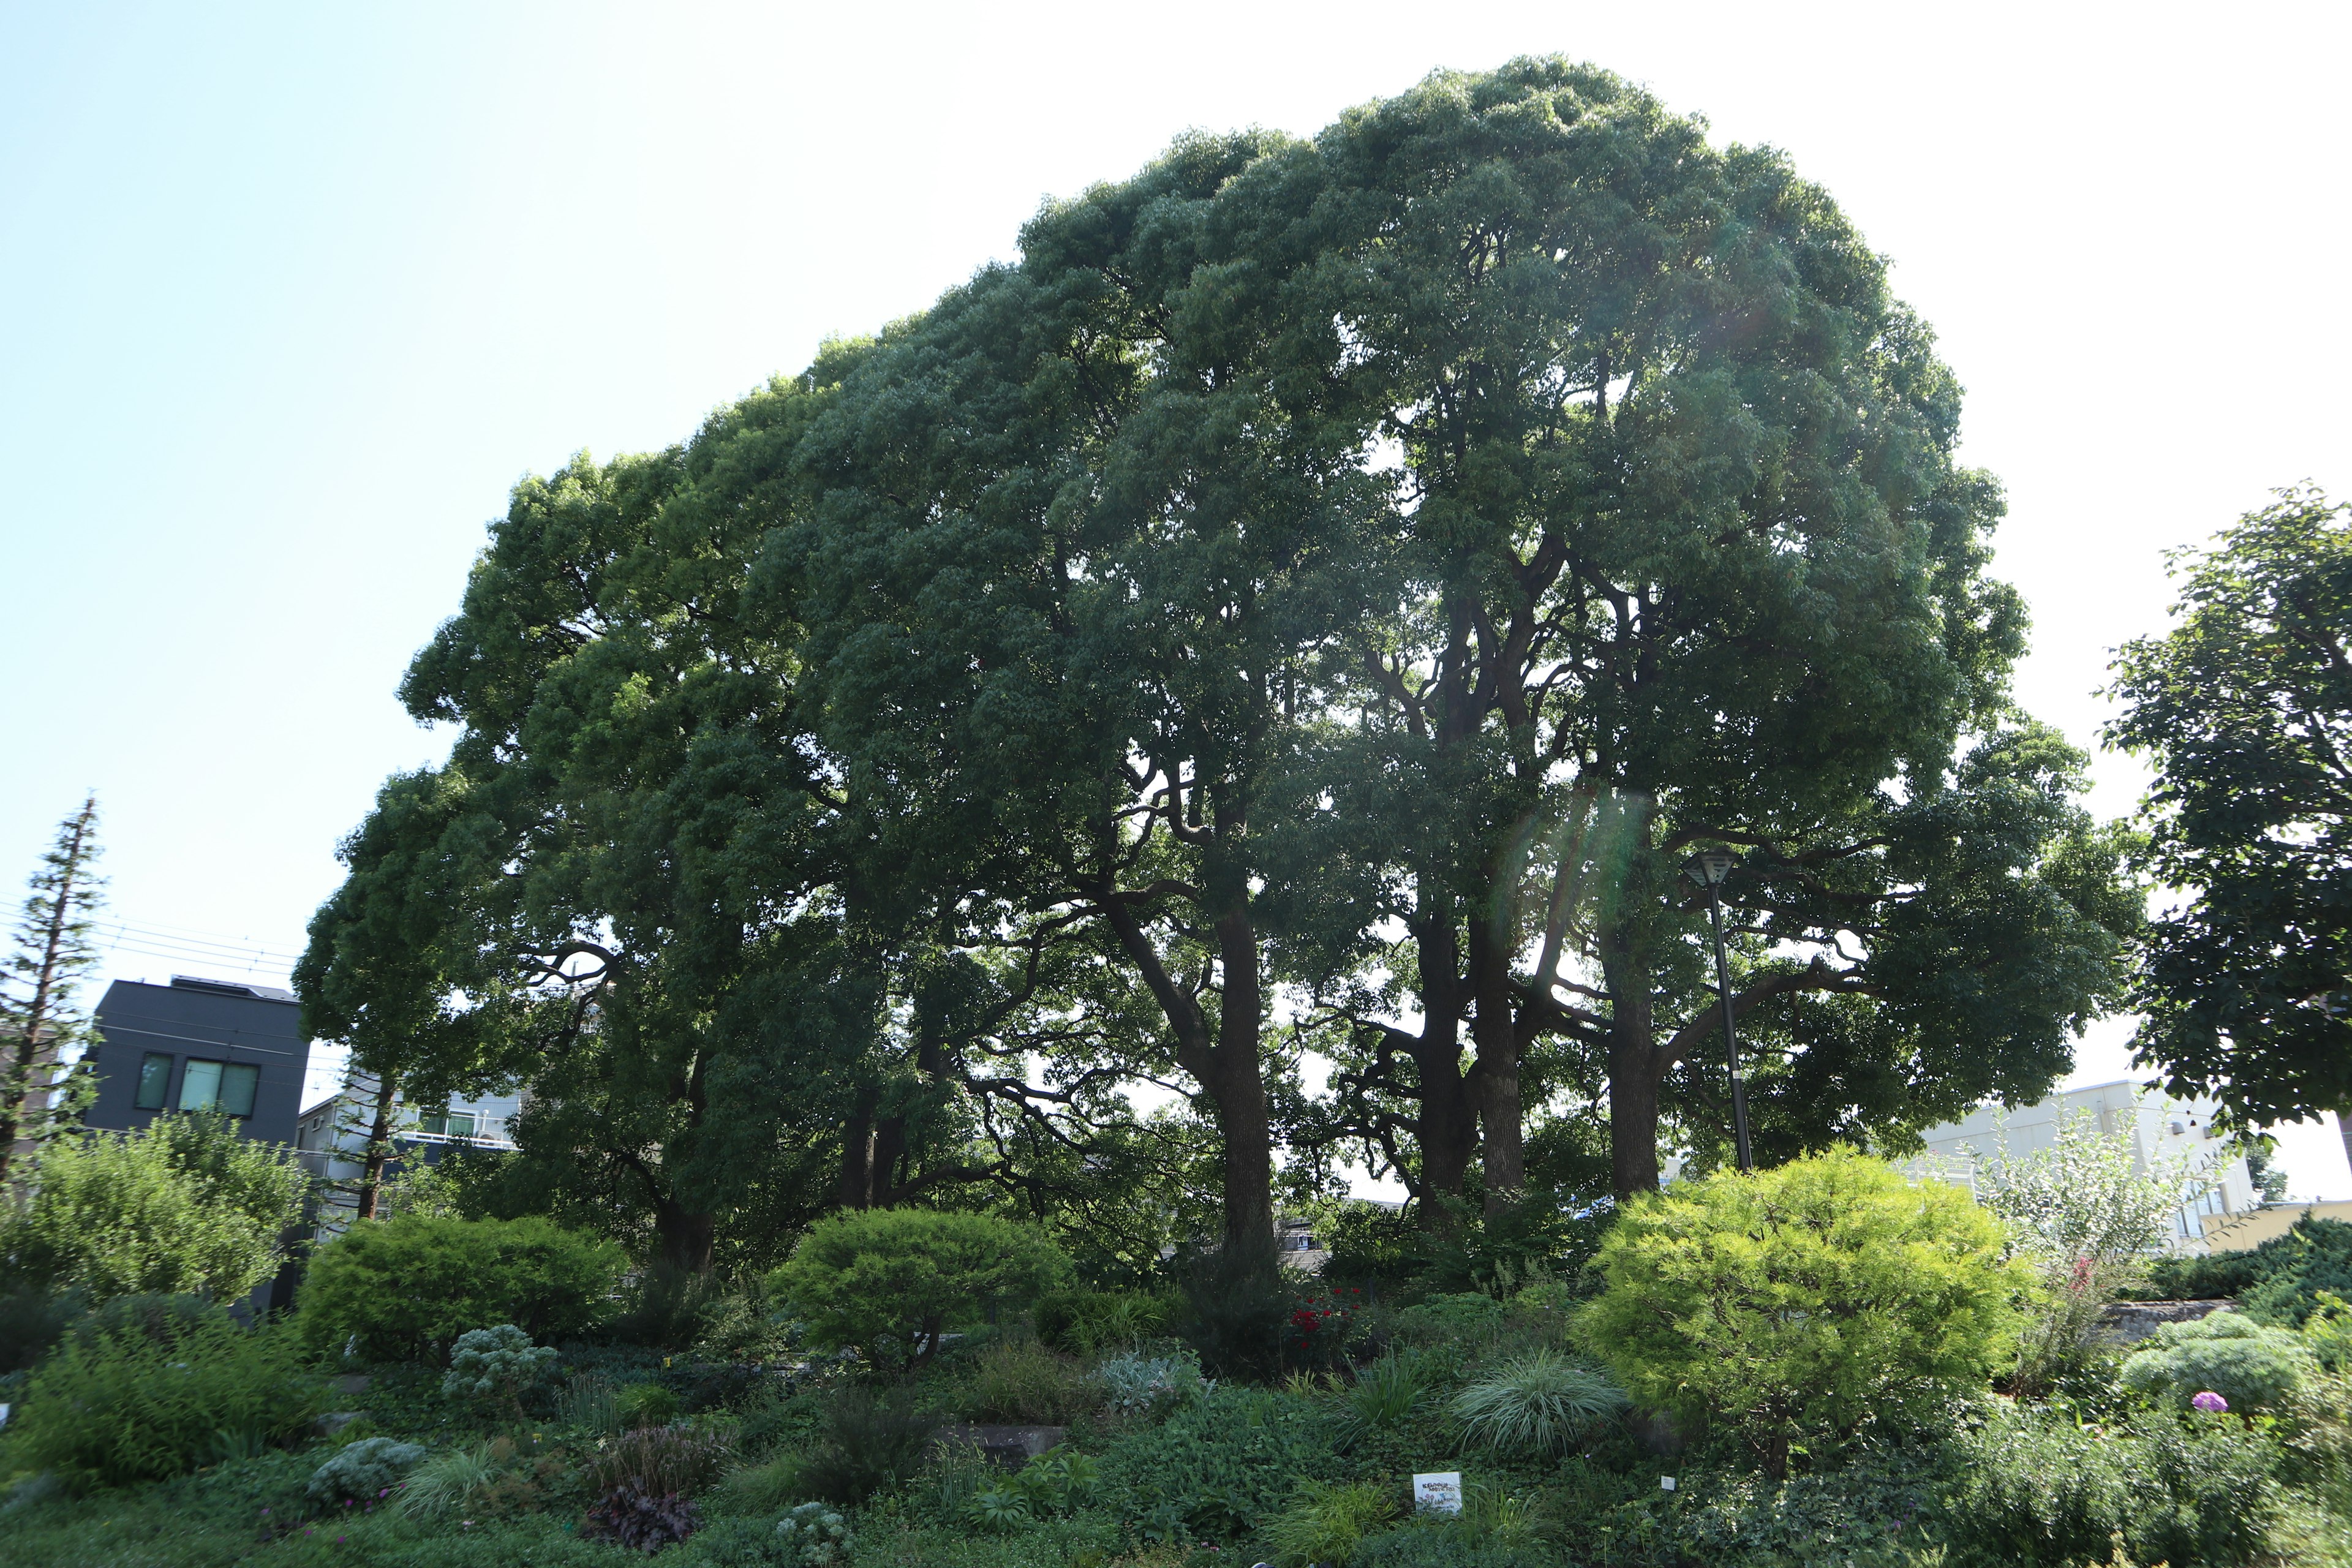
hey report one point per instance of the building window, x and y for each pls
(219, 1086)
(155, 1081)
(456, 1124)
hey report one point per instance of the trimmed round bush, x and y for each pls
(1806, 1300)
(2252, 1365)
(890, 1281)
(401, 1289)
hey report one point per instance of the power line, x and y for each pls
(185, 945)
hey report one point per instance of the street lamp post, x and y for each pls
(1712, 867)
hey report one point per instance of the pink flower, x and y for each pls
(2211, 1401)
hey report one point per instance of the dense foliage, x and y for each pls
(2244, 711)
(409, 1286)
(121, 1404)
(1313, 602)
(1255, 648)
(890, 1281)
(185, 1204)
(1805, 1301)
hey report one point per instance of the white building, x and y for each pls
(2163, 1133)
(331, 1137)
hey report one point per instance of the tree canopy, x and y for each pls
(1316, 600)
(2244, 711)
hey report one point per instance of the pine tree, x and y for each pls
(41, 1095)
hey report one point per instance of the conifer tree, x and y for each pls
(39, 1026)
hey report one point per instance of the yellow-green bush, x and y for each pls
(1805, 1301)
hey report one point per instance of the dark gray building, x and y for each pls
(200, 1044)
(197, 1045)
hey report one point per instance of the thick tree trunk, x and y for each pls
(857, 1152)
(1236, 1085)
(1494, 1025)
(1445, 1127)
(378, 1153)
(1634, 1078)
(685, 1237)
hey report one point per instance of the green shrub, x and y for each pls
(1237, 1317)
(33, 1317)
(1882, 1509)
(738, 1544)
(1022, 1381)
(2328, 1331)
(645, 1405)
(364, 1472)
(779, 1416)
(186, 1205)
(1440, 1320)
(743, 1322)
(890, 1281)
(1092, 1321)
(2316, 1261)
(122, 1406)
(1368, 1244)
(870, 1443)
(1536, 1405)
(156, 1315)
(1805, 1300)
(2252, 1365)
(1326, 1522)
(1222, 1466)
(2039, 1488)
(2311, 1246)
(1387, 1393)
(400, 1289)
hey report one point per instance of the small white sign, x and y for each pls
(1439, 1493)
(1665, 1483)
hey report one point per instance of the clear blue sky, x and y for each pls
(291, 295)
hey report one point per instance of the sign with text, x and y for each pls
(1438, 1493)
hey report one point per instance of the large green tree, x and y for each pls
(637, 888)
(1074, 567)
(2244, 710)
(1684, 559)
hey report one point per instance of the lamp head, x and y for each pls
(1710, 868)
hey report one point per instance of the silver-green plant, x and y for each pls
(2088, 1195)
(494, 1365)
(1537, 1404)
(367, 1471)
(1136, 1385)
(815, 1536)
